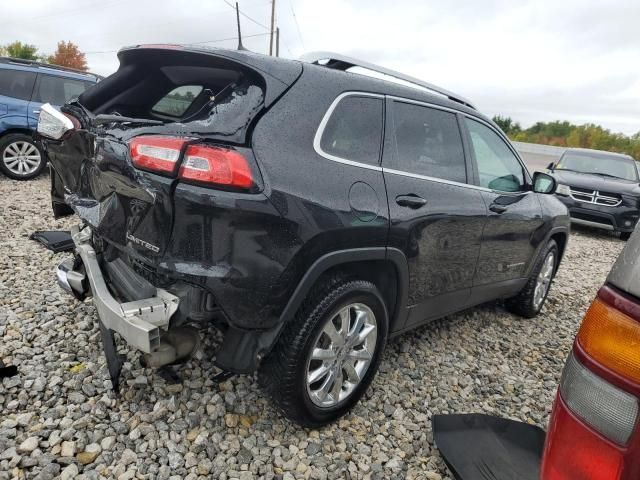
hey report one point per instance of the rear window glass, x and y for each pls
(16, 83)
(58, 90)
(354, 131)
(428, 142)
(177, 101)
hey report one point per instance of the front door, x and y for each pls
(437, 218)
(511, 234)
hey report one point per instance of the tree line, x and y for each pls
(566, 134)
(66, 55)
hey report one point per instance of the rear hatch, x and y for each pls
(201, 97)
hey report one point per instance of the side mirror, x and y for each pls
(544, 183)
(550, 166)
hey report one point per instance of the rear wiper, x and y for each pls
(103, 119)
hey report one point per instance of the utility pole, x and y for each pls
(240, 46)
(277, 41)
(273, 18)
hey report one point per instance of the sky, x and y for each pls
(532, 60)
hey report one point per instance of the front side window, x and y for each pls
(354, 131)
(177, 101)
(58, 90)
(16, 83)
(428, 142)
(498, 167)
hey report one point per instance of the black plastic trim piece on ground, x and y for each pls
(56, 240)
(7, 370)
(476, 446)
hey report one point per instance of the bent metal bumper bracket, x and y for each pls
(138, 322)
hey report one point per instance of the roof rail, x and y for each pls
(22, 61)
(337, 61)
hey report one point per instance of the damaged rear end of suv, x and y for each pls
(157, 162)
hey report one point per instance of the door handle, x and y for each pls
(497, 208)
(412, 201)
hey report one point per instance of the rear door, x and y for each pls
(15, 92)
(437, 217)
(510, 236)
(55, 90)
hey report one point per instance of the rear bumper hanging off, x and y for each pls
(138, 322)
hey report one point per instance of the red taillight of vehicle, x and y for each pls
(156, 153)
(574, 452)
(216, 166)
(610, 333)
(593, 431)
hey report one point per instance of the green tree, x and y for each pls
(507, 124)
(566, 134)
(22, 50)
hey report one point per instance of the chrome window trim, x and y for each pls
(325, 119)
(323, 123)
(434, 179)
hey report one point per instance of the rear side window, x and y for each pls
(354, 130)
(16, 83)
(498, 167)
(58, 90)
(177, 101)
(428, 142)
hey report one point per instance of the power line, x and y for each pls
(295, 19)
(192, 43)
(247, 16)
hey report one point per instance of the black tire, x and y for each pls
(625, 235)
(10, 140)
(283, 374)
(523, 304)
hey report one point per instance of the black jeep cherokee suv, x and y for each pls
(601, 189)
(308, 212)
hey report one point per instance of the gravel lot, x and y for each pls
(59, 416)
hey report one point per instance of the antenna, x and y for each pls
(240, 46)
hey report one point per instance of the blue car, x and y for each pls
(24, 87)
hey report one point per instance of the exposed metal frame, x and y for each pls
(338, 61)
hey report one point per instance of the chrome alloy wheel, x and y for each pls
(341, 355)
(544, 280)
(21, 158)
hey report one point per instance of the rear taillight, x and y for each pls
(203, 164)
(574, 452)
(214, 165)
(156, 153)
(591, 433)
(611, 336)
(604, 407)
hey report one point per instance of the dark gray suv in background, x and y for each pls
(600, 189)
(309, 213)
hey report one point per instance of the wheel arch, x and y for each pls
(242, 350)
(387, 268)
(20, 130)
(561, 236)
